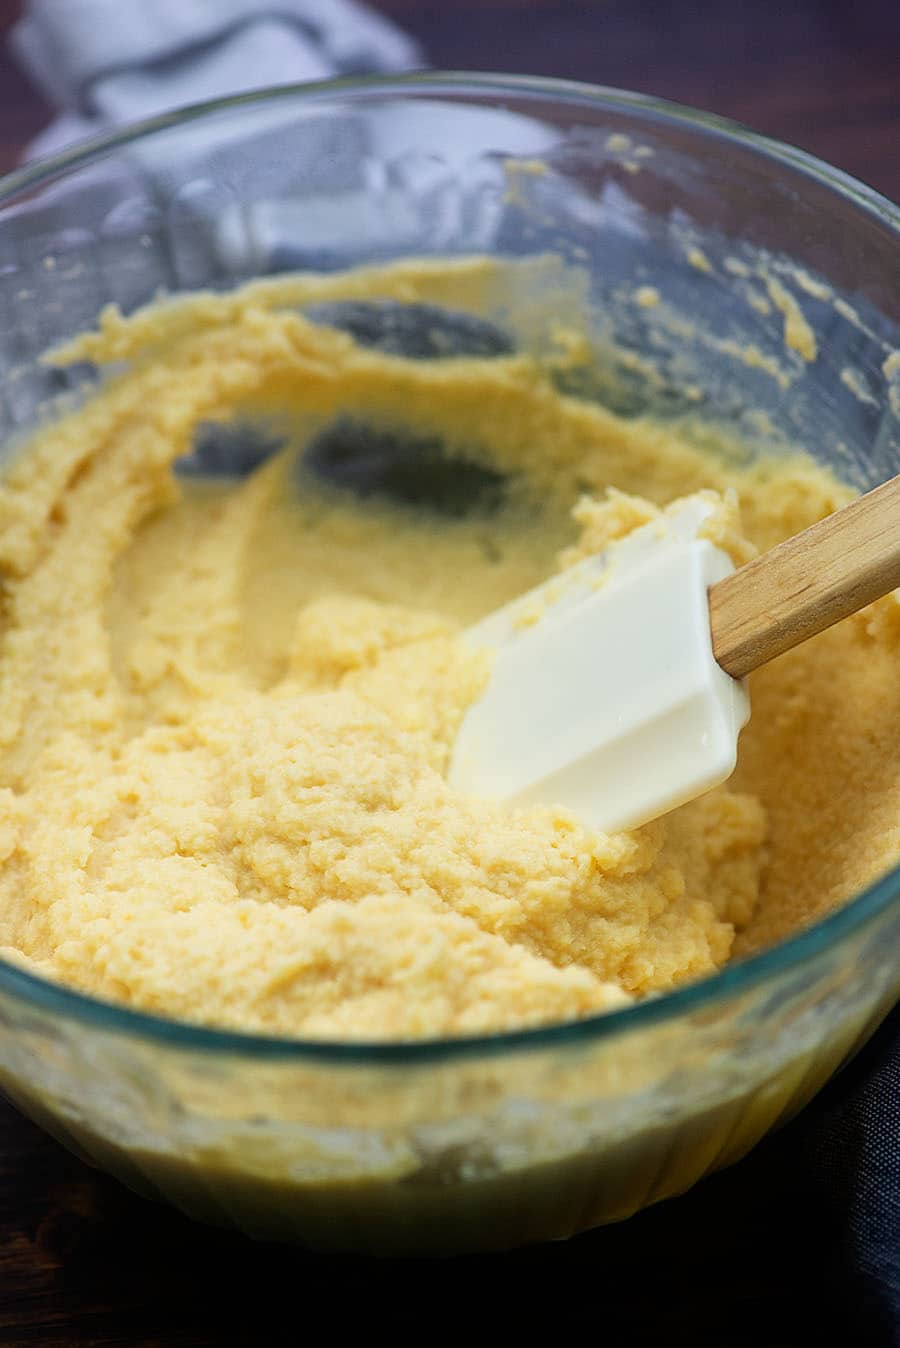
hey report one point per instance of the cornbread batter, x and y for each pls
(226, 711)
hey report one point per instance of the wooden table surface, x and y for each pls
(84, 1263)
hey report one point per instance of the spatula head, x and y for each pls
(604, 696)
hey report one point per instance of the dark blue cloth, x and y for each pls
(798, 1244)
(849, 1150)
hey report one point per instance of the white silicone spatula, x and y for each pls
(616, 688)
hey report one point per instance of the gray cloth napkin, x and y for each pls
(108, 62)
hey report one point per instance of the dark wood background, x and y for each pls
(84, 1263)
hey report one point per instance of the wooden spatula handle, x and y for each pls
(808, 582)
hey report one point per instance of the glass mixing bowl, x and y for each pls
(490, 1142)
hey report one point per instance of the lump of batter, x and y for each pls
(226, 709)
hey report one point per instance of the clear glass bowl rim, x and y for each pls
(819, 939)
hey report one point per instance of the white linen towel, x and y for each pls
(108, 62)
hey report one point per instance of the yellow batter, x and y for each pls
(225, 713)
